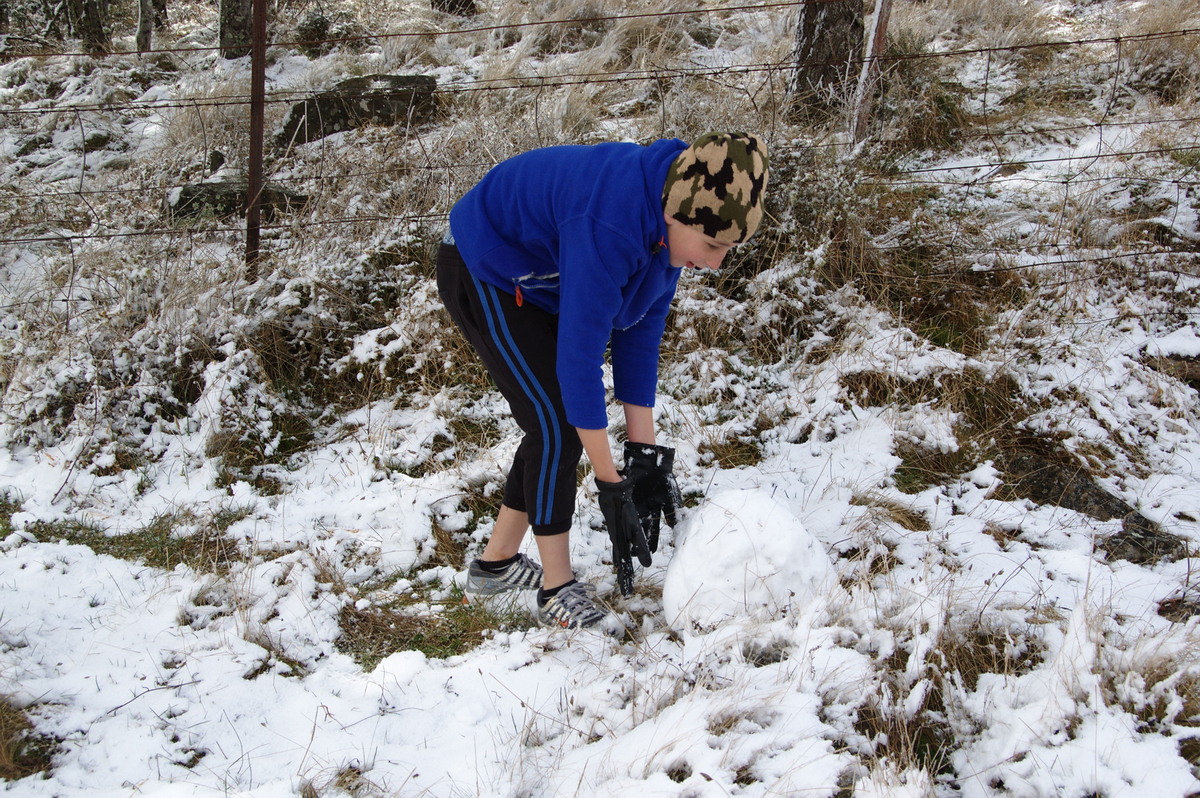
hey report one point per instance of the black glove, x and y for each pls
(655, 492)
(624, 530)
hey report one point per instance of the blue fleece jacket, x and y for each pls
(579, 231)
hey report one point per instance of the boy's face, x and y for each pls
(689, 248)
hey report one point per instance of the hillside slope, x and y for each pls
(937, 427)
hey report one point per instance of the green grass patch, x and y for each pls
(169, 540)
(369, 634)
(9, 505)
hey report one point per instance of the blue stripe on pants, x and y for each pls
(547, 416)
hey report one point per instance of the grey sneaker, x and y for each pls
(524, 574)
(572, 608)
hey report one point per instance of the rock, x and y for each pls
(1184, 369)
(1143, 542)
(97, 140)
(227, 197)
(1046, 480)
(312, 33)
(1179, 609)
(216, 159)
(33, 144)
(357, 102)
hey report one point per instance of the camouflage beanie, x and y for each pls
(716, 185)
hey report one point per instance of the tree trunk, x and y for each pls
(829, 36)
(234, 28)
(145, 25)
(88, 20)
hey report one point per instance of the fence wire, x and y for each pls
(967, 175)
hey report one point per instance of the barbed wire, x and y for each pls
(888, 177)
(1044, 252)
(506, 26)
(510, 83)
(555, 80)
(1037, 249)
(893, 173)
(574, 21)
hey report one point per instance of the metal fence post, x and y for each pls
(254, 189)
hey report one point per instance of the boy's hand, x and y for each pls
(655, 492)
(624, 529)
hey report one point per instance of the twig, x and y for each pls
(152, 690)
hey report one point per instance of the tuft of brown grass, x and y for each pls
(919, 108)
(908, 721)
(22, 752)
(348, 780)
(982, 23)
(10, 503)
(1159, 684)
(897, 729)
(867, 562)
(731, 451)
(899, 514)
(969, 651)
(276, 656)
(988, 410)
(449, 548)
(1163, 50)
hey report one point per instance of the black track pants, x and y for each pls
(518, 347)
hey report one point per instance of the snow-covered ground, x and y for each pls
(807, 628)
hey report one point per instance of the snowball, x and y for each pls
(742, 555)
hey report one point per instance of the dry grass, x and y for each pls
(988, 410)
(884, 509)
(1164, 55)
(406, 611)
(980, 23)
(22, 753)
(348, 780)
(1157, 681)
(203, 123)
(921, 739)
(170, 539)
(730, 451)
(908, 719)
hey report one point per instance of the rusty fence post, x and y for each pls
(258, 79)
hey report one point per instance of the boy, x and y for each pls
(553, 257)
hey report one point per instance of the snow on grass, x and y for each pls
(807, 628)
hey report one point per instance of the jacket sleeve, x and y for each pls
(635, 355)
(589, 300)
